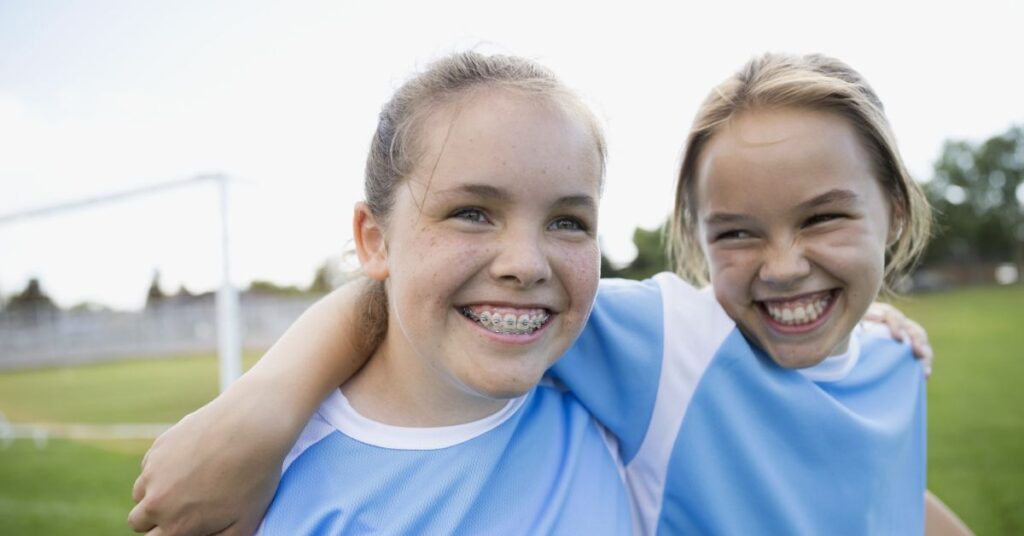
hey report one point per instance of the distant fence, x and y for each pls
(953, 275)
(36, 337)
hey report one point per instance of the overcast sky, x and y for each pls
(98, 97)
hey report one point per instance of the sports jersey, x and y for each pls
(539, 466)
(718, 439)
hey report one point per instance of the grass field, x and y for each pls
(976, 422)
(976, 403)
(74, 487)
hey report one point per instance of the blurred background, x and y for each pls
(120, 122)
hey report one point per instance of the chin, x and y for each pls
(795, 350)
(790, 354)
(508, 387)
(795, 359)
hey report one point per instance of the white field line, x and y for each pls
(41, 432)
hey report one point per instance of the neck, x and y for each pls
(400, 388)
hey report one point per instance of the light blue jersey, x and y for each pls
(539, 466)
(718, 439)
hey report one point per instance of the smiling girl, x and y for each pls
(761, 405)
(479, 231)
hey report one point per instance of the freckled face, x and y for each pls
(794, 224)
(492, 252)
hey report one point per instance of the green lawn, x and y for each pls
(67, 488)
(72, 487)
(976, 403)
(150, 390)
(976, 422)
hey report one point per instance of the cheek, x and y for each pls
(430, 264)
(856, 258)
(858, 248)
(579, 266)
(731, 271)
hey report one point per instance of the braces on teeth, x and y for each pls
(509, 324)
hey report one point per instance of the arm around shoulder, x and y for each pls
(218, 468)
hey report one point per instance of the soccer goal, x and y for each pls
(34, 332)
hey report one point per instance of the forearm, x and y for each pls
(319, 352)
(218, 467)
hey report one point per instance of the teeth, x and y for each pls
(508, 323)
(798, 313)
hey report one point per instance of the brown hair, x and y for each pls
(807, 81)
(396, 148)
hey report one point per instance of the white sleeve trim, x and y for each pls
(694, 328)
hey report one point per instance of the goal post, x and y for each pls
(228, 323)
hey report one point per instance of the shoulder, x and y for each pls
(650, 300)
(315, 431)
(876, 341)
(621, 293)
(681, 297)
(665, 283)
(625, 310)
(883, 359)
(551, 397)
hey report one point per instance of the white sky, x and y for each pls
(96, 97)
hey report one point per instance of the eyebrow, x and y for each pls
(494, 193)
(477, 190)
(724, 218)
(837, 195)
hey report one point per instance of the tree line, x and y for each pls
(976, 190)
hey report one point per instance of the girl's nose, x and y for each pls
(784, 265)
(521, 260)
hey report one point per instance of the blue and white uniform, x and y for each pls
(539, 466)
(718, 439)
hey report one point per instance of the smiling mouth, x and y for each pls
(507, 321)
(801, 312)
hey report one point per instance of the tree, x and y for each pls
(978, 194)
(329, 276)
(650, 256)
(154, 294)
(269, 287)
(33, 297)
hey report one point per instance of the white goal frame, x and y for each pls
(229, 344)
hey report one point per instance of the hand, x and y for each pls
(902, 329)
(214, 472)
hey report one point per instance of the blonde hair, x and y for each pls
(396, 147)
(806, 81)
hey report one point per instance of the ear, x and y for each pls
(371, 244)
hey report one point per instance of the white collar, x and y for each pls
(337, 411)
(836, 367)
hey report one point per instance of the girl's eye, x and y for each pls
(472, 215)
(822, 218)
(567, 224)
(733, 234)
